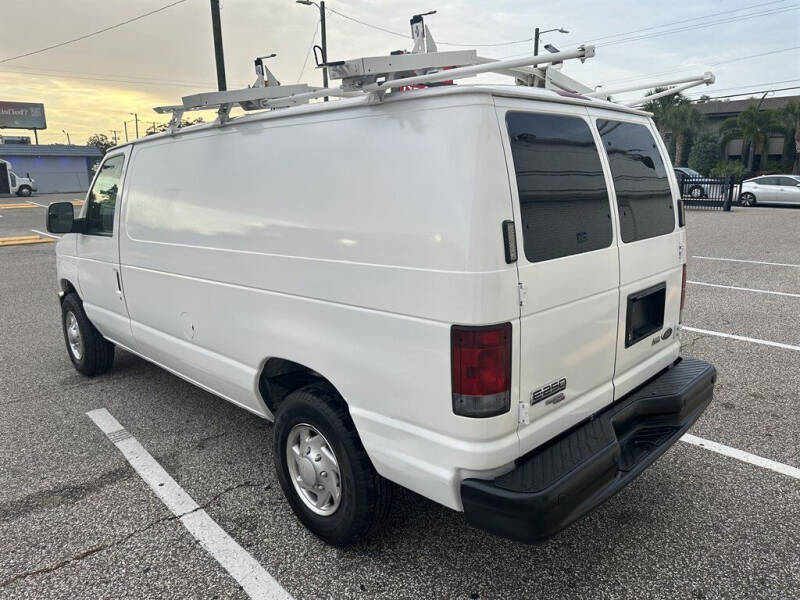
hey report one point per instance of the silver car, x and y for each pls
(771, 189)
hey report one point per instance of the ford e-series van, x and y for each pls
(473, 292)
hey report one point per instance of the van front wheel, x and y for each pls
(88, 350)
(323, 469)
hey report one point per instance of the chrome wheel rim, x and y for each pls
(747, 199)
(74, 338)
(696, 193)
(313, 469)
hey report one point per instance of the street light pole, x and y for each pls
(115, 132)
(323, 37)
(69, 143)
(126, 131)
(136, 120)
(537, 33)
(216, 26)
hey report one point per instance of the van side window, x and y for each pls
(562, 191)
(640, 180)
(103, 198)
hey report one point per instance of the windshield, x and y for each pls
(692, 173)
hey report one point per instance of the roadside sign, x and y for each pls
(22, 115)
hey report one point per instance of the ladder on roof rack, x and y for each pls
(402, 71)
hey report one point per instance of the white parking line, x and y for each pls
(752, 459)
(58, 237)
(743, 289)
(755, 262)
(36, 203)
(247, 572)
(742, 338)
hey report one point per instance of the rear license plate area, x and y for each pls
(645, 313)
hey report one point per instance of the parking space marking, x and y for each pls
(755, 262)
(248, 573)
(742, 338)
(752, 459)
(37, 204)
(18, 205)
(743, 289)
(19, 240)
(58, 237)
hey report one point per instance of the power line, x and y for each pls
(739, 87)
(94, 33)
(308, 53)
(726, 12)
(750, 93)
(714, 64)
(406, 36)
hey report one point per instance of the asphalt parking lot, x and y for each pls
(76, 521)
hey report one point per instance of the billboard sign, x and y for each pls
(22, 115)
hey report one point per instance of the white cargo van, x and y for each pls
(472, 292)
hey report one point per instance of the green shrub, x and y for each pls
(727, 168)
(705, 152)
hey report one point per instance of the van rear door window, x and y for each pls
(562, 191)
(644, 197)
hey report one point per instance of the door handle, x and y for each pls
(119, 283)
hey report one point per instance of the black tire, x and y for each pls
(365, 495)
(747, 199)
(24, 191)
(96, 353)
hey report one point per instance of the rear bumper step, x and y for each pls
(559, 482)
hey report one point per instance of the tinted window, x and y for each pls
(640, 180)
(562, 191)
(787, 181)
(767, 181)
(103, 197)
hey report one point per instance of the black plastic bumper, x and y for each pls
(559, 482)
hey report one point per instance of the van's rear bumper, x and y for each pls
(559, 482)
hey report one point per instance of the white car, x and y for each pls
(441, 289)
(771, 189)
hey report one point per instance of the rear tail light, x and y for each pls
(683, 293)
(481, 370)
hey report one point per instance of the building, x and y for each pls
(717, 111)
(56, 168)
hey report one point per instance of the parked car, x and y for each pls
(693, 184)
(12, 183)
(494, 326)
(771, 189)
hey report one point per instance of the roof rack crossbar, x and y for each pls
(707, 78)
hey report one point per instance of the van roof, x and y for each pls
(508, 91)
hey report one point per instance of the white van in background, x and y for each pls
(473, 292)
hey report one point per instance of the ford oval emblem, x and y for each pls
(667, 333)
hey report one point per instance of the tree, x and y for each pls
(100, 141)
(164, 126)
(705, 152)
(675, 115)
(790, 116)
(754, 127)
(682, 120)
(726, 168)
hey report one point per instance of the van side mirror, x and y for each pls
(60, 217)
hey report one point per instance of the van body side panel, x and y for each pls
(647, 263)
(355, 267)
(568, 324)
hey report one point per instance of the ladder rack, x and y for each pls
(401, 72)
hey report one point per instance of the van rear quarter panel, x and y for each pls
(348, 241)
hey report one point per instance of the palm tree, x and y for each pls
(790, 115)
(683, 119)
(754, 127)
(674, 115)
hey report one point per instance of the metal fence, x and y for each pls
(709, 193)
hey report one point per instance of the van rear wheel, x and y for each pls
(323, 469)
(88, 350)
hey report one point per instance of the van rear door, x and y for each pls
(650, 247)
(568, 265)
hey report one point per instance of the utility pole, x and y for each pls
(115, 132)
(324, 37)
(216, 26)
(126, 131)
(536, 42)
(136, 120)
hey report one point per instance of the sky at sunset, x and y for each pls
(92, 86)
